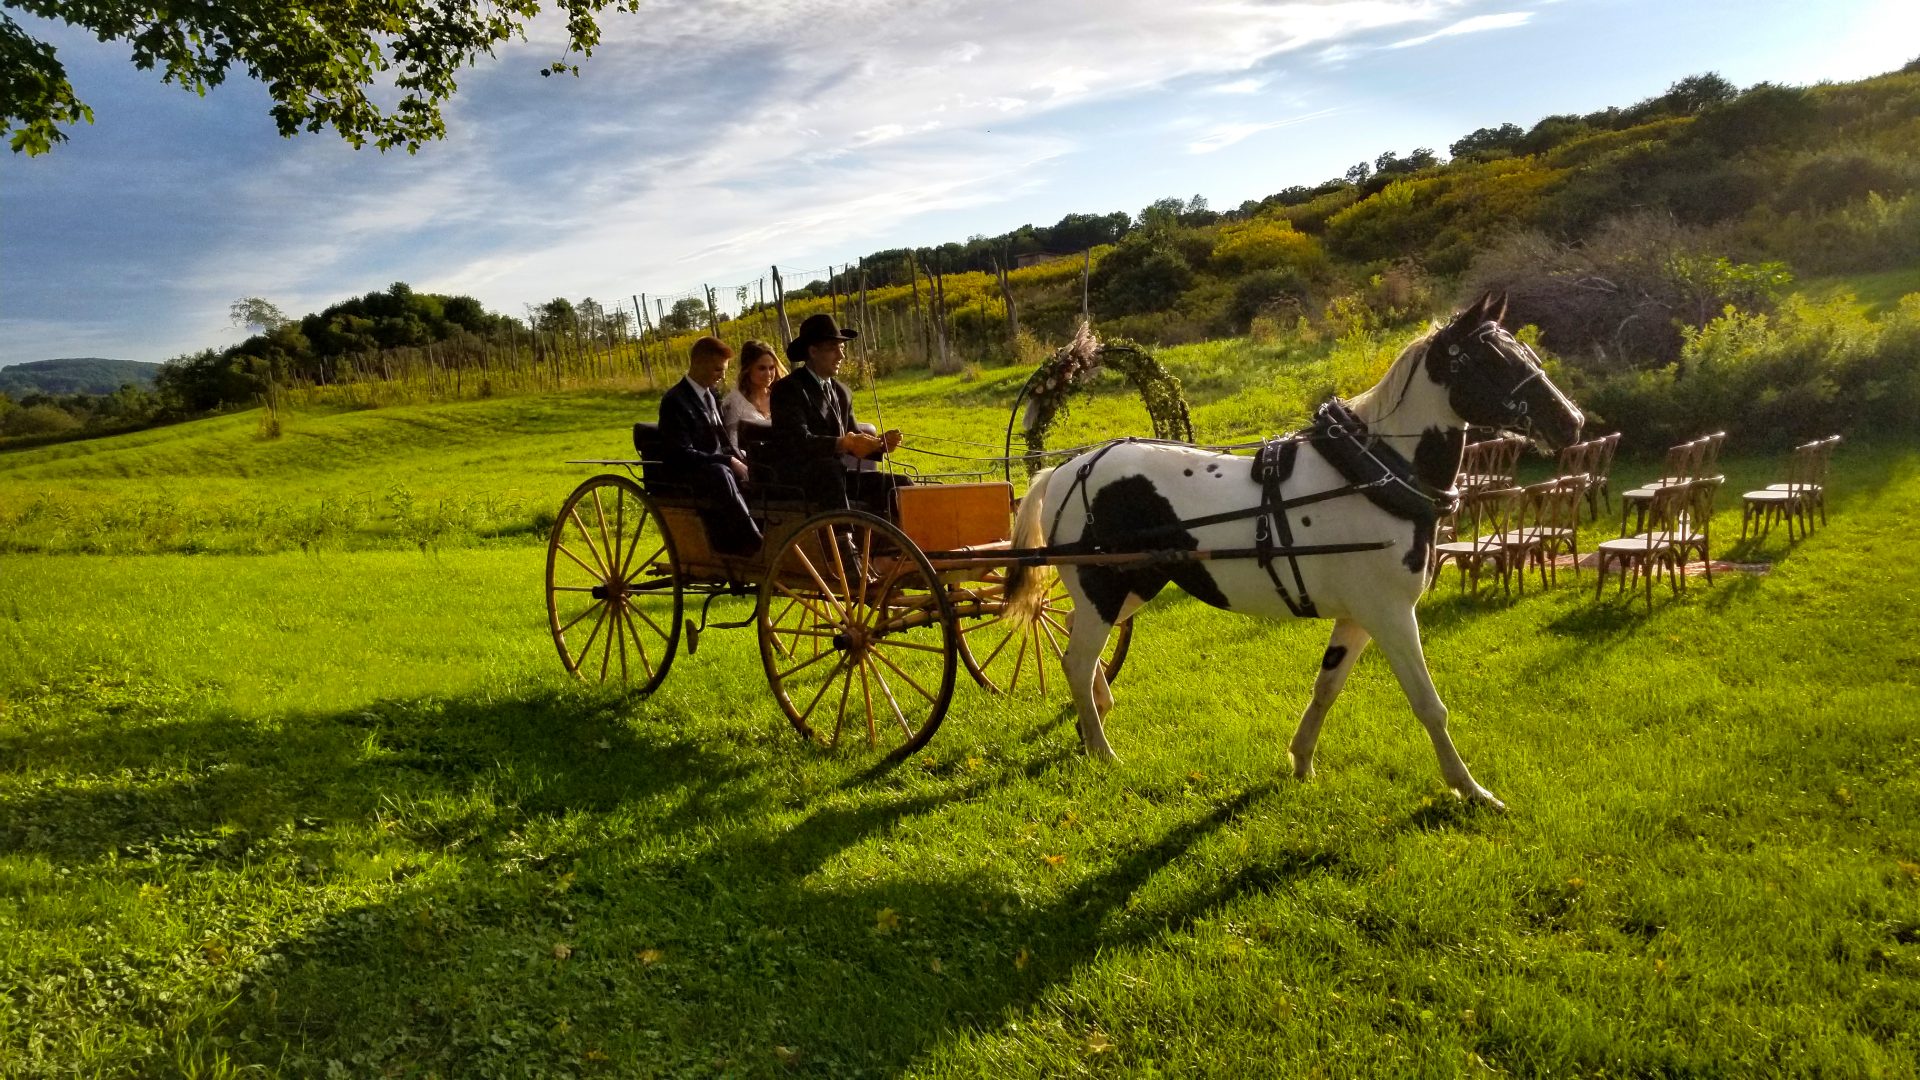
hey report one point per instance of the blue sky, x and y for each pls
(705, 141)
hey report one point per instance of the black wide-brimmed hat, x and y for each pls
(814, 330)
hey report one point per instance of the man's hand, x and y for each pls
(859, 444)
(892, 439)
(739, 468)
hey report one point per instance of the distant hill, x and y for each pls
(75, 375)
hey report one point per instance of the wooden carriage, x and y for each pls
(871, 648)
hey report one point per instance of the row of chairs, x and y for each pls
(1505, 529)
(1796, 500)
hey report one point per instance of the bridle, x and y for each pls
(1493, 335)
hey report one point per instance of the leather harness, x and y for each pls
(1371, 467)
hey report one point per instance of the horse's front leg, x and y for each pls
(1343, 648)
(1399, 638)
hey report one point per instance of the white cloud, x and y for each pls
(1238, 86)
(1502, 21)
(1225, 135)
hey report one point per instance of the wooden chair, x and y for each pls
(1794, 500)
(1490, 463)
(1600, 475)
(1815, 494)
(1485, 518)
(1646, 552)
(1692, 531)
(1682, 465)
(1548, 523)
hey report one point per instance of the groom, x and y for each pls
(699, 455)
(813, 424)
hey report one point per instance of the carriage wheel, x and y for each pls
(1005, 657)
(613, 590)
(852, 655)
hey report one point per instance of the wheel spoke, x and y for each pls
(564, 550)
(893, 703)
(840, 716)
(588, 647)
(646, 662)
(619, 613)
(648, 561)
(649, 621)
(606, 644)
(573, 513)
(575, 588)
(825, 684)
(803, 665)
(866, 697)
(805, 603)
(883, 658)
(598, 605)
(1020, 661)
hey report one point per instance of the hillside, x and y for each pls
(75, 375)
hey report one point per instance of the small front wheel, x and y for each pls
(856, 634)
(613, 589)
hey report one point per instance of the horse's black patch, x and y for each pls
(1122, 510)
(1335, 654)
(1436, 460)
(1306, 522)
(1189, 472)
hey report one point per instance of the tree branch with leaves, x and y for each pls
(322, 61)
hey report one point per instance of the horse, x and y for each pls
(1169, 498)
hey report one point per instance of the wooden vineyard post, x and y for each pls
(919, 318)
(1085, 268)
(780, 308)
(640, 335)
(713, 311)
(1013, 312)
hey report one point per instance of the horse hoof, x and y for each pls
(1301, 771)
(1480, 796)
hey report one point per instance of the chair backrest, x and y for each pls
(1601, 467)
(1710, 453)
(1505, 458)
(1488, 513)
(1574, 459)
(1682, 461)
(1804, 467)
(1557, 504)
(1827, 446)
(1666, 511)
(1472, 462)
(1697, 512)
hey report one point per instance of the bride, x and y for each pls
(750, 401)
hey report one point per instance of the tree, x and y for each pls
(252, 311)
(1696, 94)
(1488, 142)
(319, 59)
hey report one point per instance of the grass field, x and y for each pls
(289, 794)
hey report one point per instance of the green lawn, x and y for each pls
(336, 810)
(1873, 293)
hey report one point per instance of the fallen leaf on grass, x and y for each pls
(886, 921)
(1098, 1043)
(934, 964)
(1020, 959)
(787, 1054)
(1912, 870)
(1054, 860)
(648, 957)
(562, 950)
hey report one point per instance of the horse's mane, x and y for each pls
(1374, 403)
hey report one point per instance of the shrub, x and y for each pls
(1266, 243)
(1621, 299)
(1143, 273)
(40, 419)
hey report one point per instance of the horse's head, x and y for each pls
(1493, 380)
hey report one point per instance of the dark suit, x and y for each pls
(696, 450)
(808, 420)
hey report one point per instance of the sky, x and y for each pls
(703, 142)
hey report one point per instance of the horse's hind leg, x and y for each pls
(1091, 696)
(1399, 639)
(1348, 639)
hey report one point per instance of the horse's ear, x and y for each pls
(1473, 316)
(1498, 312)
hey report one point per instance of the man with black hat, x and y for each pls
(700, 457)
(813, 423)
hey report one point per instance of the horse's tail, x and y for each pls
(1027, 586)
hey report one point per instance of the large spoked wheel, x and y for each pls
(857, 635)
(1004, 656)
(613, 593)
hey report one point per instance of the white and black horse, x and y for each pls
(1143, 496)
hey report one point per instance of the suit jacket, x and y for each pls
(689, 436)
(809, 419)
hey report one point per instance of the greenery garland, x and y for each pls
(1075, 366)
